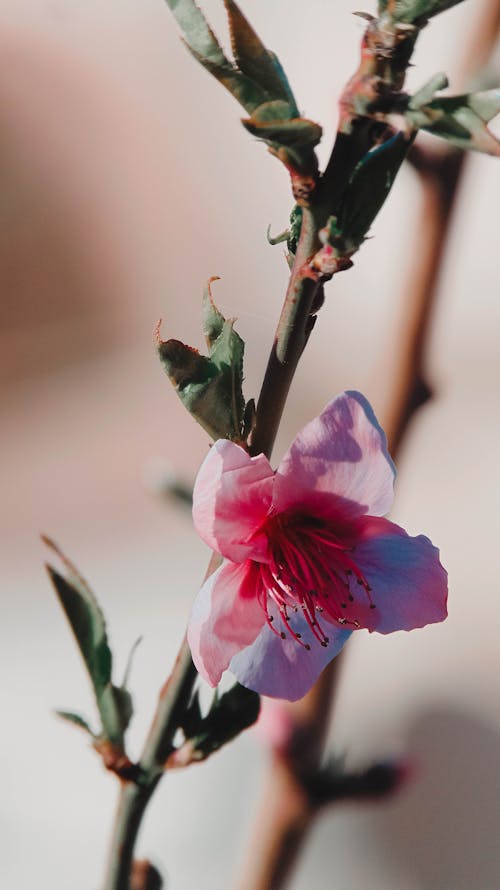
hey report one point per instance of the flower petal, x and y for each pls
(409, 584)
(231, 497)
(338, 463)
(226, 617)
(283, 668)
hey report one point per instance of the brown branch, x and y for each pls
(286, 813)
(440, 174)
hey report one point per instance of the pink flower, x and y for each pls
(308, 557)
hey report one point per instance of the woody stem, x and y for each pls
(291, 337)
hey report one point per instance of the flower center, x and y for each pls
(313, 570)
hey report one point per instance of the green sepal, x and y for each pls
(416, 12)
(461, 120)
(228, 716)
(76, 720)
(84, 614)
(210, 387)
(368, 189)
(255, 60)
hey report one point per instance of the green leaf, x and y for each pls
(77, 720)
(116, 710)
(197, 383)
(206, 49)
(255, 79)
(427, 92)
(249, 94)
(199, 35)
(461, 120)
(277, 239)
(486, 103)
(292, 139)
(210, 387)
(292, 133)
(227, 350)
(273, 122)
(213, 320)
(368, 189)
(87, 622)
(416, 12)
(254, 60)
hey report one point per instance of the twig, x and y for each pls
(291, 338)
(286, 813)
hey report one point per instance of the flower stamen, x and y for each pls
(310, 569)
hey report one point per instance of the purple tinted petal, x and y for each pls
(231, 497)
(339, 462)
(283, 668)
(226, 617)
(409, 584)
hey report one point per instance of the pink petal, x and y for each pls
(283, 668)
(338, 464)
(225, 618)
(409, 584)
(232, 495)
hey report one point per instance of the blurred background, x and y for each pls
(126, 181)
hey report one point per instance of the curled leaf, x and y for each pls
(212, 320)
(210, 387)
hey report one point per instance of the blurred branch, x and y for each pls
(288, 809)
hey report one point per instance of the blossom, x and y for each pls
(308, 556)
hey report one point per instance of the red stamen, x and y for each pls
(311, 569)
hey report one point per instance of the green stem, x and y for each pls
(132, 803)
(293, 331)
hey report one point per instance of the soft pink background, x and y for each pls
(125, 181)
